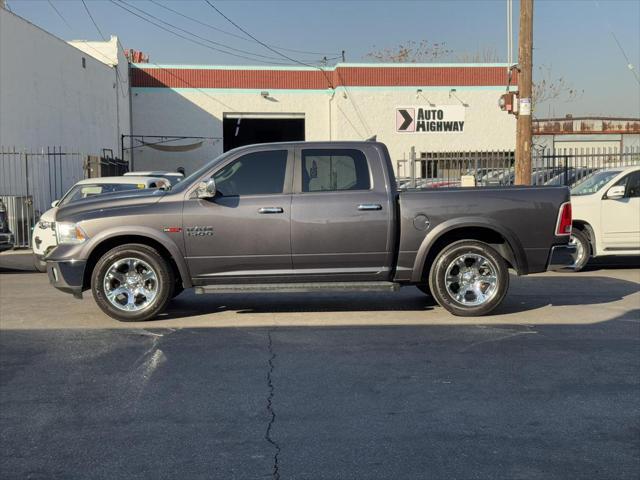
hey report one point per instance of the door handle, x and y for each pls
(267, 210)
(370, 206)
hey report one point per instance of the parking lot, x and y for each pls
(324, 385)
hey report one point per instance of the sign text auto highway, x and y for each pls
(442, 118)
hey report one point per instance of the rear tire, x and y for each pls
(583, 249)
(469, 278)
(132, 283)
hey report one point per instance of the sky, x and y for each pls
(574, 40)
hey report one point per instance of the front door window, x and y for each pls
(259, 173)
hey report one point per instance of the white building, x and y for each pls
(55, 93)
(185, 115)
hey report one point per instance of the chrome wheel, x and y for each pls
(471, 279)
(580, 250)
(130, 284)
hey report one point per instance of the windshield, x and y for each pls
(79, 192)
(594, 183)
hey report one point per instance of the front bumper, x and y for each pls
(67, 276)
(562, 257)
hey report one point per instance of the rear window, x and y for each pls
(330, 170)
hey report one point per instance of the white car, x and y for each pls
(173, 177)
(606, 214)
(44, 235)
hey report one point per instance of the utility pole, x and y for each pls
(525, 73)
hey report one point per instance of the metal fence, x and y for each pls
(31, 180)
(496, 168)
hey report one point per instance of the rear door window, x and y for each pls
(331, 170)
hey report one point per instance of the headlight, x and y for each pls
(69, 233)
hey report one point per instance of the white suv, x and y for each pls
(606, 214)
(44, 234)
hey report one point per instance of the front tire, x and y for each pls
(469, 278)
(583, 249)
(132, 283)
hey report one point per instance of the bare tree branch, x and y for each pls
(411, 52)
(548, 88)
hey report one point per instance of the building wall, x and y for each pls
(47, 98)
(346, 112)
(486, 127)
(191, 112)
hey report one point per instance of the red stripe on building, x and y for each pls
(316, 80)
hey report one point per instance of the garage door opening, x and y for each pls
(244, 129)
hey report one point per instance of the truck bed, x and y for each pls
(507, 210)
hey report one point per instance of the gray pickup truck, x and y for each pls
(306, 216)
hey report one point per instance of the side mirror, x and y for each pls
(206, 189)
(615, 193)
(55, 203)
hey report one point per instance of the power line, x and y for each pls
(195, 35)
(624, 54)
(88, 45)
(630, 65)
(179, 35)
(305, 52)
(355, 105)
(93, 20)
(267, 46)
(254, 38)
(350, 122)
(169, 72)
(60, 15)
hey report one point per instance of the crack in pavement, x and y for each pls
(267, 435)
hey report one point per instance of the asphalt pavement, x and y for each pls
(325, 386)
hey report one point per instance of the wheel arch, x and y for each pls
(500, 238)
(165, 247)
(586, 227)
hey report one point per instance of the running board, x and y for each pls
(300, 287)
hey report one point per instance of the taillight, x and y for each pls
(563, 226)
